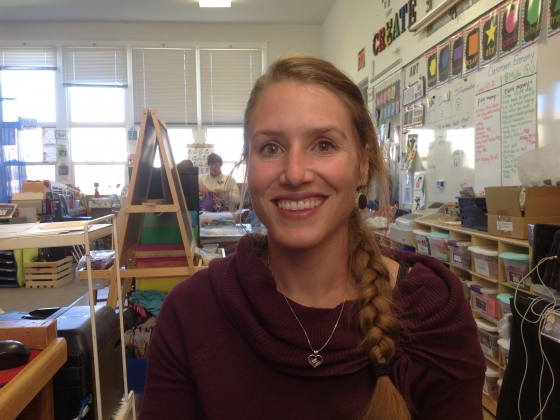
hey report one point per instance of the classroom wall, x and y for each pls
(351, 25)
(279, 39)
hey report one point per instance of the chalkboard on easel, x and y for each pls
(153, 138)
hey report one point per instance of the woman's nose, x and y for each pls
(297, 169)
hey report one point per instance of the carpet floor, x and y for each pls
(25, 300)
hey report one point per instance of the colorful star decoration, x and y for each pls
(491, 32)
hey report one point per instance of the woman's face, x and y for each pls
(304, 166)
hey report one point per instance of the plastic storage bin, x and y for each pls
(484, 300)
(422, 244)
(504, 299)
(485, 260)
(488, 338)
(517, 267)
(460, 256)
(491, 383)
(504, 349)
(466, 287)
(438, 245)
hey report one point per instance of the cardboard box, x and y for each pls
(33, 186)
(505, 218)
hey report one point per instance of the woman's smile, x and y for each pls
(299, 205)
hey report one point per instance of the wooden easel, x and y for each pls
(153, 137)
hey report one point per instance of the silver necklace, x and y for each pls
(314, 359)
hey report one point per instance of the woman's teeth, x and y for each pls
(299, 205)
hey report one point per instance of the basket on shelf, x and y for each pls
(473, 213)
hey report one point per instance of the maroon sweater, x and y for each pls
(226, 346)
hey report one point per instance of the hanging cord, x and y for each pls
(540, 317)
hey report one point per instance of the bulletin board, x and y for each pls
(492, 92)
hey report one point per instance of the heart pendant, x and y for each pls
(315, 360)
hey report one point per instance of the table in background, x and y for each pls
(227, 236)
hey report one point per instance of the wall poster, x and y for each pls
(505, 117)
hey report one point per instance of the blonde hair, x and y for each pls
(379, 327)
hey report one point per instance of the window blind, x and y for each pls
(227, 77)
(95, 66)
(165, 79)
(28, 58)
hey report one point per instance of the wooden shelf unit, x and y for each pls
(478, 238)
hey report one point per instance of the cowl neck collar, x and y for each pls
(247, 294)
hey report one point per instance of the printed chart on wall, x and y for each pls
(505, 117)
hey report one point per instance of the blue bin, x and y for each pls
(136, 374)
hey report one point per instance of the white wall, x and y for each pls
(351, 25)
(280, 39)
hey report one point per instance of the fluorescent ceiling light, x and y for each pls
(214, 3)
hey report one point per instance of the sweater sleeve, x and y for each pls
(440, 366)
(170, 391)
(439, 396)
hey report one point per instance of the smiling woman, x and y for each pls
(314, 320)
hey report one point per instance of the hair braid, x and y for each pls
(379, 327)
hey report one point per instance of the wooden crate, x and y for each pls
(48, 274)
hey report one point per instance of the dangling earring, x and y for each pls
(361, 199)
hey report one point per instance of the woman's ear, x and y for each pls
(364, 166)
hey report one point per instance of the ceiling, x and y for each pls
(242, 11)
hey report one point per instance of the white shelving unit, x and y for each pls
(45, 235)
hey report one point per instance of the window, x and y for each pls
(165, 79)
(179, 139)
(107, 176)
(226, 78)
(98, 144)
(29, 94)
(90, 104)
(228, 143)
(34, 153)
(34, 91)
(40, 172)
(189, 87)
(95, 80)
